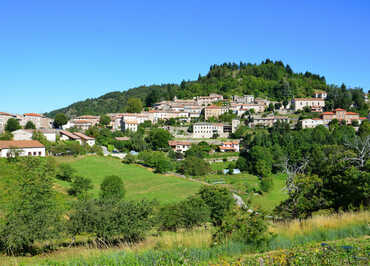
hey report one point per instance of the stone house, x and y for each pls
(85, 139)
(316, 104)
(179, 145)
(4, 117)
(207, 130)
(26, 134)
(230, 146)
(215, 111)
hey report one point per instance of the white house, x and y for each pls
(85, 139)
(22, 148)
(179, 146)
(232, 146)
(316, 104)
(65, 135)
(314, 122)
(129, 125)
(207, 130)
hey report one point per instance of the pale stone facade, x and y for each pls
(179, 146)
(207, 130)
(316, 104)
(214, 111)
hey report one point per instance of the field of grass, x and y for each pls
(140, 183)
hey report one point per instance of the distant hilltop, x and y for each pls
(270, 79)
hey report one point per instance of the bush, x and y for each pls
(112, 189)
(266, 183)
(186, 214)
(194, 166)
(79, 186)
(129, 158)
(219, 201)
(65, 172)
(242, 226)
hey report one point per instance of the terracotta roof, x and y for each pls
(309, 99)
(362, 118)
(327, 113)
(178, 142)
(6, 114)
(122, 138)
(226, 148)
(131, 122)
(69, 134)
(339, 109)
(231, 142)
(6, 144)
(351, 113)
(32, 114)
(83, 136)
(317, 91)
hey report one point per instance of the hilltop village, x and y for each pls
(211, 118)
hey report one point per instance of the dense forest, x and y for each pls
(270, 79)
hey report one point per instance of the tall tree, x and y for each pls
(30, 125)
(32, 212)
(134, 105)
(60, 120)
(12, 125)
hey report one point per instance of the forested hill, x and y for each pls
(269, 79)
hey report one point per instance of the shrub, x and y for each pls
(194, 166)
(219, 201)
(242, 226)
(186, 214)
(80, 185)
(65, 172)
(266, 183)
(112, 189)
(129, 158)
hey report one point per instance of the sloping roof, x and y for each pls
(339, 109)
(327, 113)
(69, 134)
(122, 138)
(33, 114)
(5, 114)
(178, 142)
(351, 113)
(309, 99)
(83, 136)
(6, 144)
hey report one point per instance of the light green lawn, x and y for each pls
(140, 183)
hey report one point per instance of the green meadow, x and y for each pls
(140, 183)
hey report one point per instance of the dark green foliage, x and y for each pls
(134, 105)
(31, 212)
(200, 150)
(157, 160)
(112, 221)
(112, 189)
(305, 199)
(60, 119)
(242, 226)
(158, 139)
(219, 200)
(268, 79)
(30, 125)
(364, 129)
(65, 172)
(194, 166)
(79, 186)
(6, 136)
(104, 120)
(129, 158)
(12, 125)
(266, 183)
(186, 214)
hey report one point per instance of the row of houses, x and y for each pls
(184, 145)
(327, 117)
(40, 121)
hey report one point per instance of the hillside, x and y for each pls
(274, 80)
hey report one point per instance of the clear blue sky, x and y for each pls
(53, 53)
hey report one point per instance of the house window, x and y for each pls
(30, 154)
(39, 153)
(34, 153)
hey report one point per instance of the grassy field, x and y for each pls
(140, 183)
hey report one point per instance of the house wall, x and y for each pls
(40, 152)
